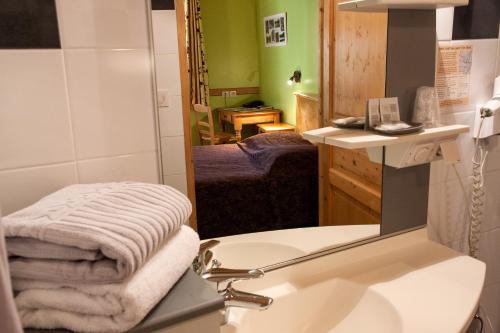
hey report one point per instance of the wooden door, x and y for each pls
(352, 184)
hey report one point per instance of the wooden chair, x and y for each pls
(206, 129)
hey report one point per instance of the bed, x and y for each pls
(267, 182)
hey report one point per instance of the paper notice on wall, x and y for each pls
(453, 75)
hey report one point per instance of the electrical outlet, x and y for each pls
(225, 94)
(233, 93)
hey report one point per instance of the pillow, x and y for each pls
(273, 139)
(282, 153)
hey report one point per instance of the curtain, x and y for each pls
(197, 62)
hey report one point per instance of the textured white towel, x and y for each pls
(107, 308)
(9, 318)
(98, 233)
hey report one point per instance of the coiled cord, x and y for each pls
(477, 196)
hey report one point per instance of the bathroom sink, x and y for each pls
(404, 284)
(245, 255)
(333, 306)
(256, 250)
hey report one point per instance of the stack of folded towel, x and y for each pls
(98, 258)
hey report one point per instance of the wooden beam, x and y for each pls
(239, 91)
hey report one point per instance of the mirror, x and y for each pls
(258, 73)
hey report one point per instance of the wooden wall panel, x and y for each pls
(349, 211)
(366, 194)
(308, 115)
(360, 60)
(357, 162)
(352, 189)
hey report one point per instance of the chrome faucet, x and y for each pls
(204, 257)
(241, 299)
(225, 277)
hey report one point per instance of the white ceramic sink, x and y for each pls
(405, 284)
(247, 255)
(341, 306)
(265, 248)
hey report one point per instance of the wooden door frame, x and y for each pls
(186, 106)
(327, 81)
(326, 26)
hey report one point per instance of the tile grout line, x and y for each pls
(60, 27)
(70, 117)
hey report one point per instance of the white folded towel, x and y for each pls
(95, 233)
(107, 308)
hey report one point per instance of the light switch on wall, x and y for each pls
(163, 98)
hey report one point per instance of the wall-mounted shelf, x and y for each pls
(356, 139)
(401, 151)
(382, 5)
(362, 139)
(319, 135)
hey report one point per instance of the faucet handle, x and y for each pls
(204, 256)
(205, 246)
(224, 277)
(242, 299)
(230, 275)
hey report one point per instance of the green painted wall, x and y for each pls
(302, 52)
(231, 44)
(230, 29)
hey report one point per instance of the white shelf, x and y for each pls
(383, 5)
(357, 139)
(319, 135)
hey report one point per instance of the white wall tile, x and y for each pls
(173, 155)
(168, 73)
(444, 23)
(448, 211)
(165, 31)
(111, 102)
(491, 209)
(108, 112)
(171, 121)
(22, 187)
(34, 116)
(134, 167)
(489, 303)
(103, 24)
(171, 118)
(493, 160)
(489, 246)
(176, 181)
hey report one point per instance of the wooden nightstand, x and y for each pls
(240, 116)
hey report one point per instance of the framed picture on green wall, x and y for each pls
(275, 32)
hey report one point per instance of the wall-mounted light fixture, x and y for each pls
(297, 75)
